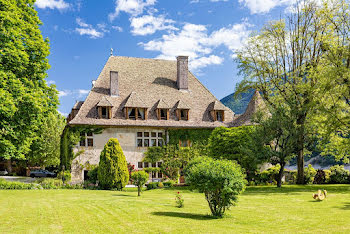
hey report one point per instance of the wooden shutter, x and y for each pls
(99, 110)
(158, 114)
(109, 112)
(223, 116)
(167, 114)
(126, 113)
(146, 114)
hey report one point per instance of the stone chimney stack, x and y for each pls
(114, 83)
(182, 72)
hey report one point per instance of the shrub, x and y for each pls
(179, 200)
(328, 176)
(92, 174)
(112, 170)
(220, 180)
(66, 174)
(169, 183)
(290, 176)
(131, 168)
(152, 185)
(160, 185)
(339, 175)
(320, 177)
(309, 174)
(49, 183)
(139, 178)
(16, 185)
(270, 175)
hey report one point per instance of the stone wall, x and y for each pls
(127, 138)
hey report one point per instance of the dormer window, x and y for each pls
(104, 109)
(183, 114)
(182, 111)
(135, 113)
(162, 110)
(218, 111)
(135, 108)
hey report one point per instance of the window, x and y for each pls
(220, 116)
(140, 164)
(184, 143)
(87, 139)
(104, 112)
(136, 113)
(145, 164)
(160, 175)
(154, 164)
(148, 139)
(182, 114)
(163, 114)
(154, 174)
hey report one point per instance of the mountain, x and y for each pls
(239, 104)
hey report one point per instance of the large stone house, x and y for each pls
(138, 100)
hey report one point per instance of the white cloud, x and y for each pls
(63, 113)
(264, 6)
(117, 28)
(89, 30)
(149, 24)
(194, 41)
(83, 92)
(50, 82)
(133, 7)
(63, 93)
(52, 4)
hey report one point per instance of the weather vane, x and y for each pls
(111, 51)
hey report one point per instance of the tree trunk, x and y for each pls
(280, 175)
(138, 190)
(300, 155)
(9, 166)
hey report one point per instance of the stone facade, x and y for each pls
(128, 139)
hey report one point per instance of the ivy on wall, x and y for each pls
(69, 139)
(196, 136)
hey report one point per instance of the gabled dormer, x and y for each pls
(217, 111)
(135, 108)
(104, 108)
(163, 110)
(182, 111)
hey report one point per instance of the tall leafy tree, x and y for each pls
(45, 149)
(282, 61)
(25, 98)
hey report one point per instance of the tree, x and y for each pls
(112, 169)
(25, 98)
(45, 149)
(236, 144)
(220, 180)
(282, 61)
(277, 133)
(173, 157)
(139, 178)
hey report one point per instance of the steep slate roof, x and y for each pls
(182, 105)
(104, 102)
(216, 105)
(151, 80)
(77, 105)
(256, 103)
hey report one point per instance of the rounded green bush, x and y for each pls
(339, 175)
(220, 180)
(112, 169)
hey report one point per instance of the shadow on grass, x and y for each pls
(123, 195)
(346, 206)
(184, 215)
(292, 189)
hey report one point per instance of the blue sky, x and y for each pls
(81, 34)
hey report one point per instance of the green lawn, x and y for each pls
(260, 209)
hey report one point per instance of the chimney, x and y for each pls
(182, 72)
(114, 83)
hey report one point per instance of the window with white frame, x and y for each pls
(148, 139)
(87, 139)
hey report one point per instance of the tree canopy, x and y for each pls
(25, 98)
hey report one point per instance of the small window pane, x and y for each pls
(154, 174)
(153, 134)
(139, 142)
(90, 142)
(160, 175)
(160, 142)
(145, 164)
(163, 114)
(132, 113)
(153, 142)
(139, 134)
(82, 143)
(146, 134)
(104, 112)
(160, 134)
(140, 165)
(146, 143)
(141, 113)
(154, 164)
